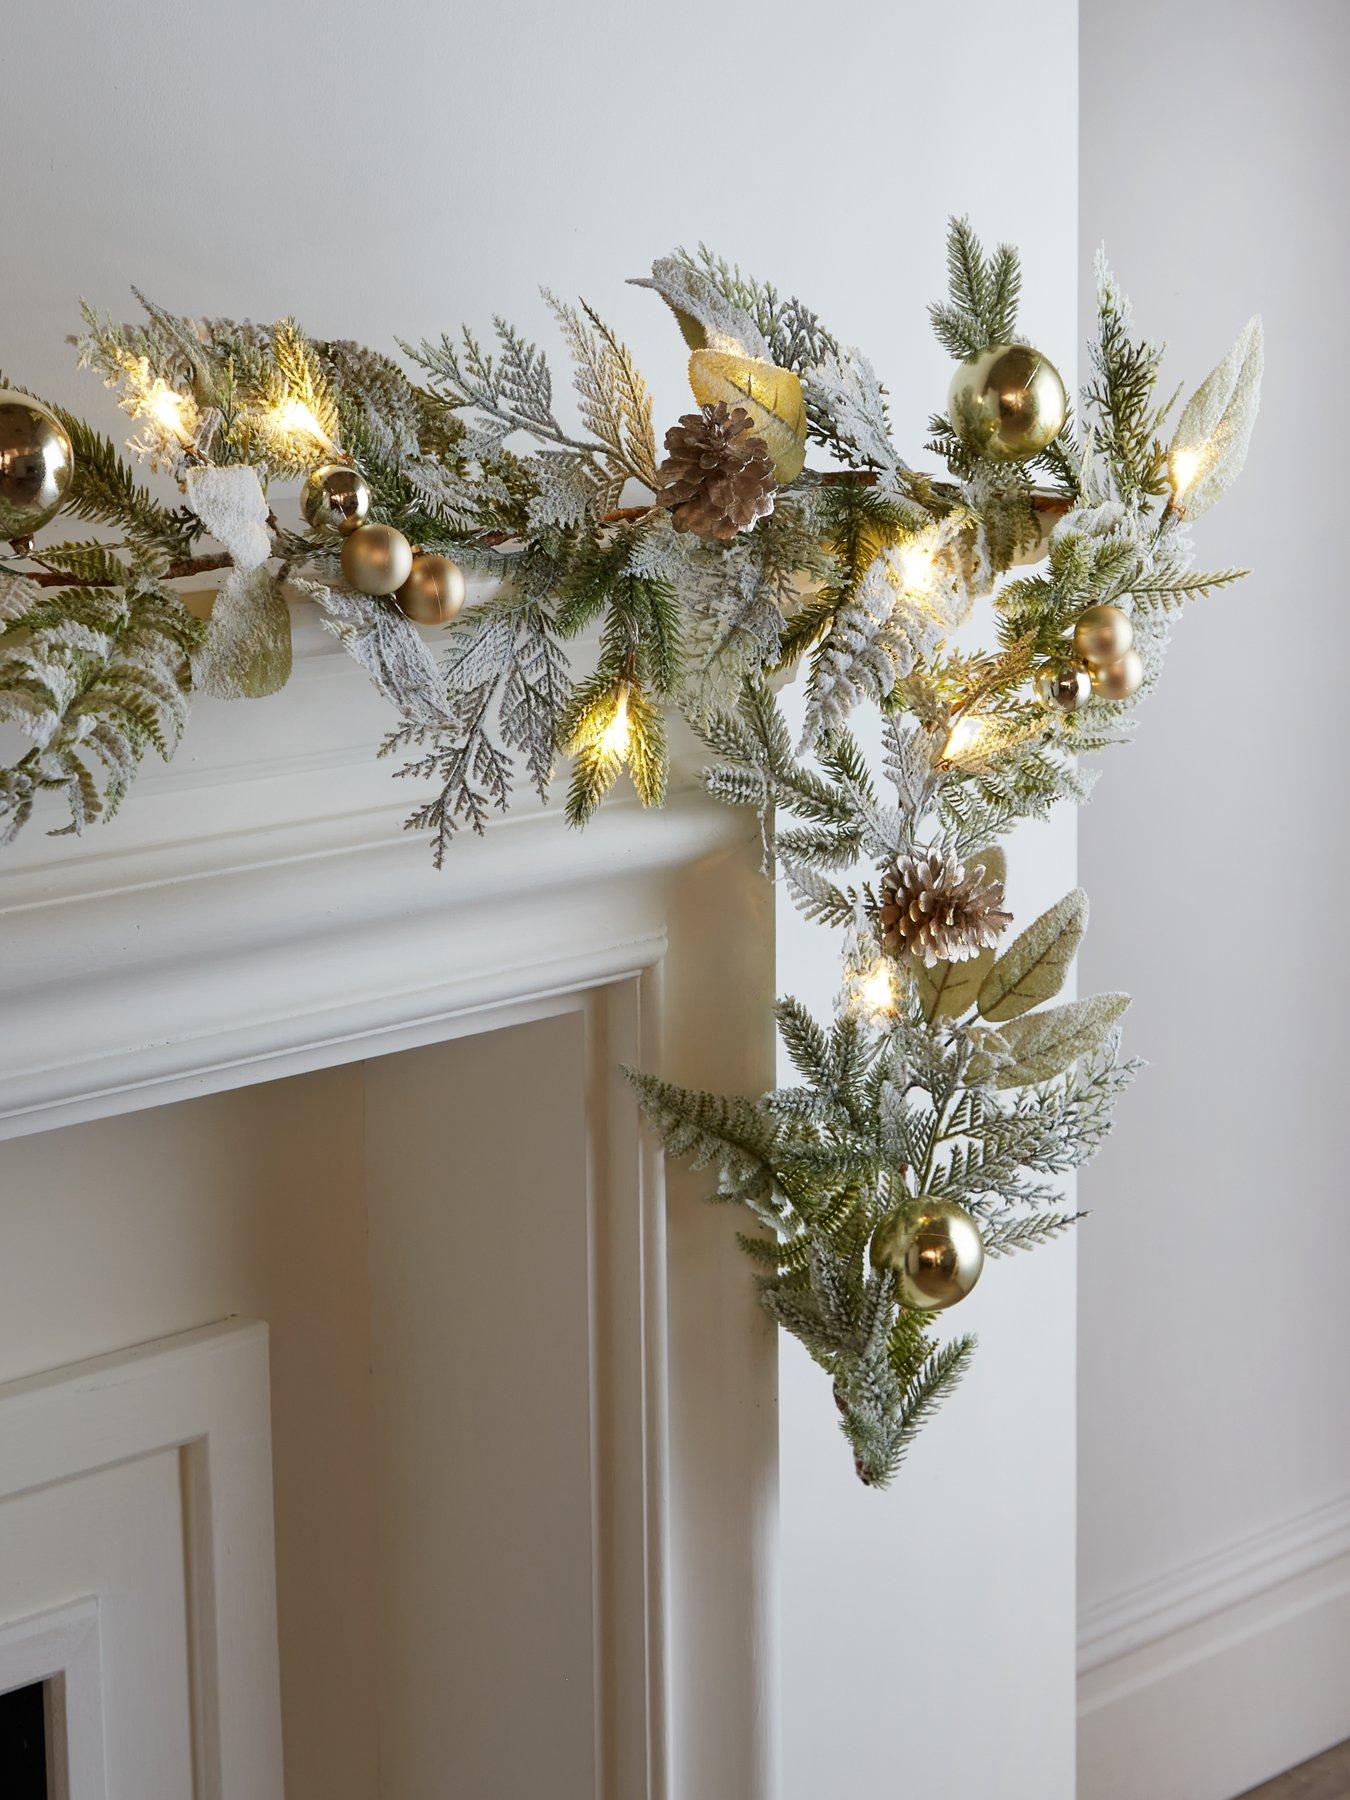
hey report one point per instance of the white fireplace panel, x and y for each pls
(136, 1515)
(61, 1649)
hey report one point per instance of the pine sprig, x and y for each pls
(984, 292)
(94, 678)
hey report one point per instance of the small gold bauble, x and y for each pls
(335, 499)
(1119, 679)
(1007, 403)
(376, 559)
(434, 593)
(36, 464)
(934, 1250)
(1066, 687)
(1102, 635)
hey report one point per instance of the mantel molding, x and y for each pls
(257, 910)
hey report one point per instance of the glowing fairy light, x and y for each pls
(173, 412)
(965, 738)
(1183, 467)
(874, 993)
(293, 418)
(615, 738)
(917, 567)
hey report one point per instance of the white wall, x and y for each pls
(1215, 1336)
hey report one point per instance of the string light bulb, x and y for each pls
(169, 410)
(1182, 468)
(917, 567)
(295, 419)
(964, 738)
(617, 735)
(874, 993)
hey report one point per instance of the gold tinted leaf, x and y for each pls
(949, 989)
(1033, 967)
(1042, 1045)
(772, 397)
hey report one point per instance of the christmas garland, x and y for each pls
(939, 1107)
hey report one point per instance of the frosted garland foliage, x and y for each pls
(953, 1075)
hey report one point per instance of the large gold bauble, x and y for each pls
(1118, 680)
(36, 464)
(434, 593)
(1102, 635)
(335, 499)
(934, 1250)
(1064, 687)
(1007, 403)
(376, 559)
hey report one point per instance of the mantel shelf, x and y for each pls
(257, 908)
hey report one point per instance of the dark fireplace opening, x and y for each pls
(23, 1743)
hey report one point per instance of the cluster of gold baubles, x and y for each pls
(377, 559)
(934, 1250)
(1103, 662)
(36, 464)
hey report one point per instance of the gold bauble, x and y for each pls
(1066, 688)
(934, 1250)
(36, 464)
(1119, 679)
(376, 559)
(434, 593)
(335, 499)
(1102, 635)
(1007, 403)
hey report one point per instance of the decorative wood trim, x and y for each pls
(205, 1393)
(1126, 1622)
(61, 1649)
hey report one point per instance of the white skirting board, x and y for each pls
(1206, 1683)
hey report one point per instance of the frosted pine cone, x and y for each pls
(718, 477)
(934, 910)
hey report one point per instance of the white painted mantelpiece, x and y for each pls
(256, 913)
(257, 910)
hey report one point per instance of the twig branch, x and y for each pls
(180, 570)
(1051, 505)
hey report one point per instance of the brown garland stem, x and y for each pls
(1052, 505)
(180, 570)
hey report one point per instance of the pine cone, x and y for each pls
(935, 910)
(718, 478)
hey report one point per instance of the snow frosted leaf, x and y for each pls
(1216, 426)
(566, 489)
(876, 636)
(815, 897)
(1038, 1046)
(1034, 965)
(246, 652)
(17, 595)
(1106, 519)
(707, 318)
(389, 648)
(909, 764)
(231, 504)
(846, 399)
